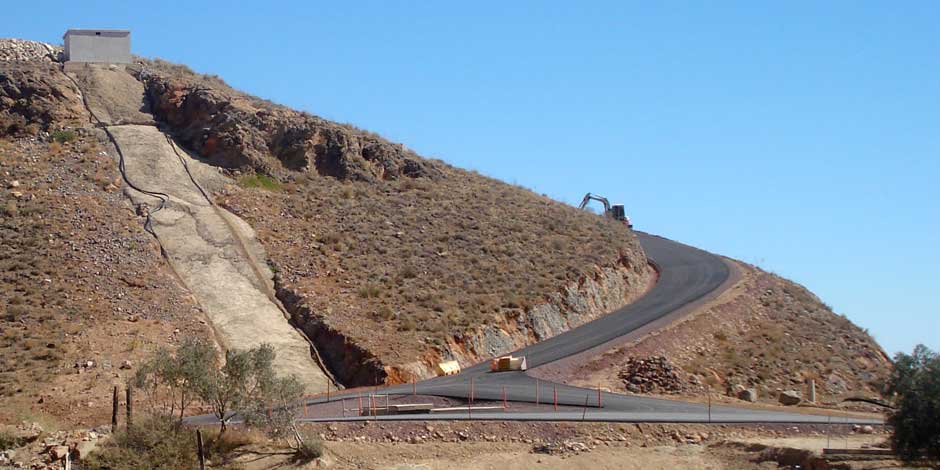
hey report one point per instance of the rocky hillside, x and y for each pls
(764, 335)
(389, 261)
(85, 293)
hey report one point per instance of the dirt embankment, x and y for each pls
(85, 296)
(767, 334)
(213, 252)
(398, 261)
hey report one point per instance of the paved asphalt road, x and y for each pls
(686, 274)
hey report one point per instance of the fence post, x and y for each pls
(471, 390)
(600, 404)
(555, 395)
(305, 407)
(505, 404)
(201, 453)
(114, 409)
(414, 386)
(537, 390)
(584, 410)
(709, 404)
(360, 402)
(129, 398)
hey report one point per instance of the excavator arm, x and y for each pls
(603, 200)
(615, 212)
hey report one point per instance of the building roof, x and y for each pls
(115, 32)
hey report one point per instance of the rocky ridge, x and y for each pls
(19, 50)
(236, 132)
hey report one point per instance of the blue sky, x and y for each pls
(800, 136)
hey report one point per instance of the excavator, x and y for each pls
(615, 211)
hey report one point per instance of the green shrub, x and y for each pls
(311, 448)
(9, 441)
(259, 181)
(915, 383)
(63, 136)
(370, 291)
(156, 443)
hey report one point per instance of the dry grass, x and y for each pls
(427, 258)
(78, 276)
(774, 334)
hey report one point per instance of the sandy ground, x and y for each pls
(480, 456)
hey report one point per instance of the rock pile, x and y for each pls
(34, 448)
(651, 375)
(560, 448)
(20, 50)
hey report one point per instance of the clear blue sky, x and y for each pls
(800, 136)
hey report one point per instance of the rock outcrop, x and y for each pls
(35, 97)
(238, 133)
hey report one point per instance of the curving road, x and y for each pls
(686, 275)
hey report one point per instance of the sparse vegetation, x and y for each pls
(69, 251)
(157, 443)
(461, 251)
(259, 181)
(8, 441)
(63, 136)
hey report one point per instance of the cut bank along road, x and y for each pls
(686, 275)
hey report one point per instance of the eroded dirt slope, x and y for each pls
(82, 288)
(212, 251)
(395, 262)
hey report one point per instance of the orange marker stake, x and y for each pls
(555, 393)
(599, 403)
(471, 390)
(305, 407)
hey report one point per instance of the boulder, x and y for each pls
(748, 394)
(790, 398)
(84, 448)
(58, 452)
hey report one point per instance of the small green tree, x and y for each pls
(915, 384)
(172, 381)
(239, 383)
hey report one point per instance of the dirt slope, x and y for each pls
(765, 333)
(213, 252)
(82, 288)
(394, 262)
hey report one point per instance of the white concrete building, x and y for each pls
(110, 46)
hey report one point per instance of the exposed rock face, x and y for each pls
(237, 133)
(35, 96)
(579, 302)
